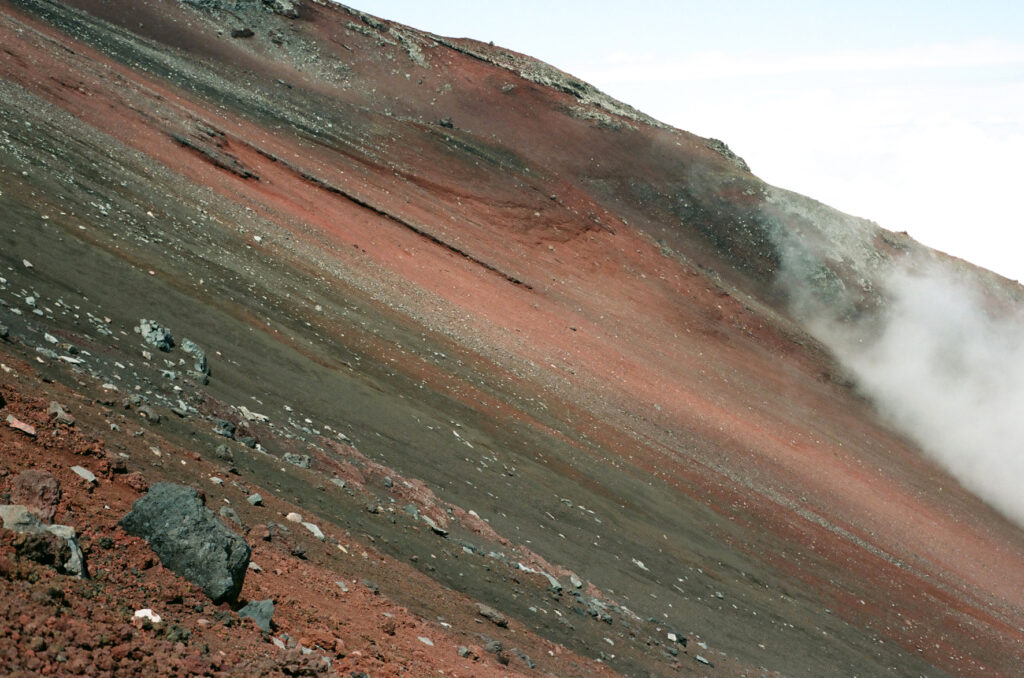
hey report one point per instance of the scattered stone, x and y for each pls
(15, 423)
(293, 517)
(149, 414)
(300, 460)
(224, 452)
(702, 660)
(575, 581)
(426, 641)
(223, 427)
(248, 441)
(59, 415)
(255, 500)
(85, 474)
(254, 567)
(372, 586)
(39, 491)
(253, 416)
(342, 586)
(446, 122)
(192, 348)
(260, 611)
(316, 532)
(434, 526)
(411, 510)
(494, 646)
(146, 614)
(5, 333)
(525, 657)
(189, 539)
(286, 8)
(155, 335)
(242, 33)
(555, 585)
(489, 613)
(388, 483)
(463, 651)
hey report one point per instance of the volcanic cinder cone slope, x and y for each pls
(561, 331)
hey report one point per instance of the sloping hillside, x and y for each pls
(502, 339)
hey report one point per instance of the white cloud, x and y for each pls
(623, 66)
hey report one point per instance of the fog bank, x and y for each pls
(944, 363)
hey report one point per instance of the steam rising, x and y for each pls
(945, 365)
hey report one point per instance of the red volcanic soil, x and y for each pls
(471, 290)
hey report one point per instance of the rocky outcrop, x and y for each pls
(190, 540)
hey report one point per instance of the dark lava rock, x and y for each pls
(39, 491)
(242, 33)
(260, 611)
(223, 427)
(190, 540)
(4, 334)
(155, 334)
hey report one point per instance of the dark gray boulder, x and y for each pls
(190, 540)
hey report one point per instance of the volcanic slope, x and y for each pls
(535, 345)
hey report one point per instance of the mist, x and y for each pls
(943, 361)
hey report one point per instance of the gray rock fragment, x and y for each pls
(525, 657)
(223, 427)
(492, 615)
(434, 526)
(190, 540)
(85, 474)
(260, 611)
(155, 334)
(59, 415)
(201, 366)
(255, 499)
(300, 460)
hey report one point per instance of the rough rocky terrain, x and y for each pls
(493, 374)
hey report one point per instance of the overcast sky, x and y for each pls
(909, 113)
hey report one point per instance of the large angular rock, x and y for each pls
(190, 540)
